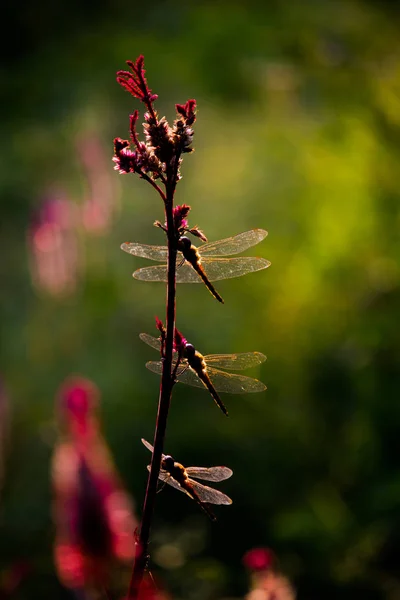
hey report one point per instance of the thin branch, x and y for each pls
(167, 382)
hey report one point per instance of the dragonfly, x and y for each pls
(204, 371)
(204, 264)
(180, 477)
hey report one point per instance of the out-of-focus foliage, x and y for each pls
(297, 132)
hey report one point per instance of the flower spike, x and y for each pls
(135, 82)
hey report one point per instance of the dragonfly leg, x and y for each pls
(160, 489)
(177, 366)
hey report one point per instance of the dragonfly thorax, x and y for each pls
(175, 469)
(190, 252)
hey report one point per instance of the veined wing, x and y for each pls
(215, 269)
(207, 473)
(208, 494)
(225, 247)
(149, 447)
(233, 245)
(205, 493)
(235, 362)
(145, 251)
(210, 473)
(153, 342)
(231, 383)
(150, 340)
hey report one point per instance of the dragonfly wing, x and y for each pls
(235, 362)
(184, 274)
(214, 268)
(154, 366)
(227, 268)
(233, 245)
(144, 251)
(187, 376)
(208, 494)
(149, 447)
(232, 383)
(210, 473)
(151, 341)
(157, 273)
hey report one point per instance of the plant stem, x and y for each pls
(142, 552)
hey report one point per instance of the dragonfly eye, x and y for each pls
(185, 242)
(168, 462)
(190, 350)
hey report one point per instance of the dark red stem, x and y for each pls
(167, 383)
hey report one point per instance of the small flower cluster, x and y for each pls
(164, 144)
(182, 126)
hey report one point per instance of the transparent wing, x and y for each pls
(184, 274)
(230, 383)
(210, 495)
(215, 269)
(210, 473)
(144, 251)
(233, 245)
(149, 447)
(185, 376)
(235, 362)
(150, 340)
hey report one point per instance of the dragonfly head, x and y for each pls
(184, 243)
(190, 350)
(168, 462)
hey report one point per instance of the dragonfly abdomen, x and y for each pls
(208, 383)
(200, 271)
(203, 505)
(192, 256)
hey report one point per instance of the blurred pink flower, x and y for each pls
(258, 559)
(55, 258)
(271, 586)
(266, 582)
(101, 201)
(150, 590)
(92, 512)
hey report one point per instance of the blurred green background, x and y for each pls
(298, 132)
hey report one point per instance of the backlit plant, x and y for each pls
(158, 161)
